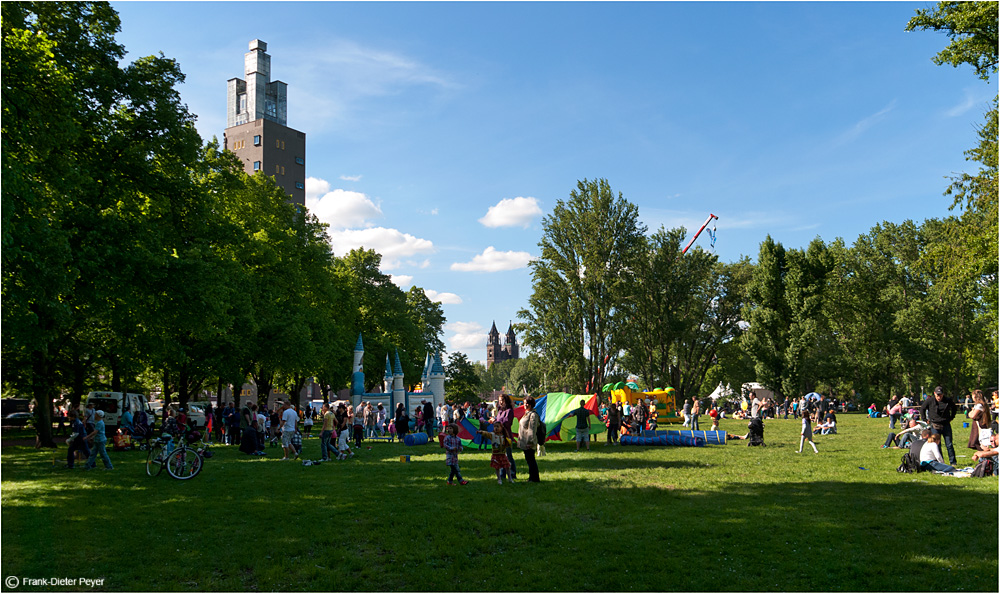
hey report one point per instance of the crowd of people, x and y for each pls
(924, 430)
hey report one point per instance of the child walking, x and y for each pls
(342, 447)
(806, 433)
(100, 443)
(499, 460)
(452, 446)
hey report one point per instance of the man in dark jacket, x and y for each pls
(429, 419)
(939, 411)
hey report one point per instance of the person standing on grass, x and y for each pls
(687, 413)
(582, 425)
(640, 414)
(939, 411)
(452, 446)
(380, 419)
(326, 431)
(359, 424)
(402, 422)
(79, 443)
(499, 460)
(248, 435)
(307, 423)
(614, 423)
(429, 419)
(503, 424)
(695, 413)
(893, 408)
(806, 433)
(527, 437)
(100, 443)
(289, 419)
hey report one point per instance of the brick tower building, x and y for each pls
(497, 352)
(257, 125)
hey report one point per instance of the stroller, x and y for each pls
(140, 432)
(756, 435)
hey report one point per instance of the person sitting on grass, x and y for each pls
(903, 438)
(930, 455)
(989, 453)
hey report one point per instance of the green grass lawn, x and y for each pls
(717, 518)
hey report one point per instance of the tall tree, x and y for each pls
(767, 313)
(462, 379)
(589, 253)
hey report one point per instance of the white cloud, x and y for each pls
(402, 280)
(862, 126)
(353, 178)
(972, 99)
(339, 77)
(448, 298)
(492, 260)
(512, 212)
(393, 244)
(316, 187)
(467, 335)
(341, 209)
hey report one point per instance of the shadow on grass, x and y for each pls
(694, 519)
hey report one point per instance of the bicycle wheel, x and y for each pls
(184, 463)
(154, 460)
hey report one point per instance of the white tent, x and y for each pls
(721, 392)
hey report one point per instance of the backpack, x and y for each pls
(984, 468)
(907, 465)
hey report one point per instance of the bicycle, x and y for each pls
(181, 461)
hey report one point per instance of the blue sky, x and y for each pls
(441, 134)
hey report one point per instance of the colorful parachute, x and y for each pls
(556, 411)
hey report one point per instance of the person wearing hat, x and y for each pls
(100, 443)
(939, 411)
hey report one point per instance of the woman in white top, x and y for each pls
(930, 455)
(980, 415)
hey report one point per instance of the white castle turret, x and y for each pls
(358, 377)
(398, 390)
(435, 380)
(387, 379)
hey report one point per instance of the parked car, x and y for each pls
(18, 419)
(195, 413)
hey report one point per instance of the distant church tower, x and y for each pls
(497, 352)
(257, 125)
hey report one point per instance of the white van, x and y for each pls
(114, 404)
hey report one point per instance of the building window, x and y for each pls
(282, 170)
(256, 140)
(277, 169)
(256, 165)
(282, 145)
(300, 161)
(277, 143)
(300, 186)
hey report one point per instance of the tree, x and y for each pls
(575, 316)
(767, 313)
(462, 381)
(89, 147)
(972, 28)
(965, 253)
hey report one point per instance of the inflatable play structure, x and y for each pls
(394, 390)
(666, 406)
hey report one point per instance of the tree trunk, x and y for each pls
(42, 390)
